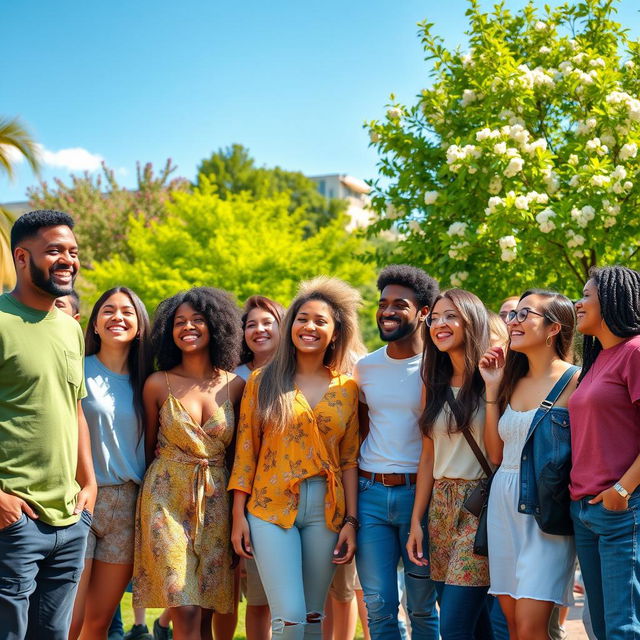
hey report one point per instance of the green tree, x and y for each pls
(15, 142)
(232, 171)
(241, 244)
(102, 208)
(519, 164)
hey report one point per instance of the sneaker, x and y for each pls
(138, 632)
(160, 632)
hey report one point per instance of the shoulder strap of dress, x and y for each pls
(166, 377)
(226, 373)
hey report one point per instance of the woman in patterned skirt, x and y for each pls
(183, 552)
(449, 470)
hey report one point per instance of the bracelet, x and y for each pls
(352, 521)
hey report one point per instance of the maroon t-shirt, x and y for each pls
(605, 420)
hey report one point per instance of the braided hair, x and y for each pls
(619, 295)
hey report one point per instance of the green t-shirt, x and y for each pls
(41, 381)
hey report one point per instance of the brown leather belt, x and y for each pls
(389, 479)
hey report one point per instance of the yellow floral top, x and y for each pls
(323, 441)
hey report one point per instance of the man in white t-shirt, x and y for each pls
(390, 406)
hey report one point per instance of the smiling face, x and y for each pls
(116, 321)
(447, 326)
(588, 312)
(313, 327)
(49, 260)
(261, 332)
(190, 330)
(398, 313)
(533, 331)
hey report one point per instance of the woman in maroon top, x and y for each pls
(605, 443)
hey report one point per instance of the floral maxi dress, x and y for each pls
(182, 546)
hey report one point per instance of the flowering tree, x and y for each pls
(519, 165)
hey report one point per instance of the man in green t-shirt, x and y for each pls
(47, 484)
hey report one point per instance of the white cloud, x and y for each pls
(74, 159)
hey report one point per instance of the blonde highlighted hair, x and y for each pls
(277, 391)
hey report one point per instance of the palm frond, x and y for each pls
(14, 137)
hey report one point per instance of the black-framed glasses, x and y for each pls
(521, 315)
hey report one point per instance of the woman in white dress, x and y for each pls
(530, 571)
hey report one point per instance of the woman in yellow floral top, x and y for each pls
(295, 468)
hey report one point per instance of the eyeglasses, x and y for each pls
(522, 314)
(447, 318)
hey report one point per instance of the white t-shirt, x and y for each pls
(392, 390)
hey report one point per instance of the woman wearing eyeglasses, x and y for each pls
(449, 469)
(531, 571)
(605, 431)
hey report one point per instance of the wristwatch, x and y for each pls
(621, 490)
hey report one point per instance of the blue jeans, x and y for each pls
(295, 565)
(608, 546)
(385, 518)
(461, 611)
(40, 566)
(498, 621)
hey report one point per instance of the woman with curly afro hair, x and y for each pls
(296, 460)
(182, 553)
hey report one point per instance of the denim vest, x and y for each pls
(545, 460)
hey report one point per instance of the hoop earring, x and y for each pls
(548, 341)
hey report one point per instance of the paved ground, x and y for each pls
(574, 626)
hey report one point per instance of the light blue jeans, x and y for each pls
(295, 564)
(385, 519)
(608, 546)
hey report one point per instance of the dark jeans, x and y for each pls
(116, 622)
(463, 612)
(608, 546)
(40, 567)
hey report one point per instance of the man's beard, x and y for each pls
(402, 331)
(48, 285)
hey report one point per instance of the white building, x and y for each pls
(353, 190)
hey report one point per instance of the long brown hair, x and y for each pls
(258, 302)
(139, 360)
(437, 369)
(558, 309)
(276, 391)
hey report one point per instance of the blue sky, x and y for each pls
(291, 80)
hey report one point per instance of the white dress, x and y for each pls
(524, 562)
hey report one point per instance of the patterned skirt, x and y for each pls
(452, 531)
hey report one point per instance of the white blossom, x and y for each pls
(628, 150)
(609, 221)
(565, 67)
(430, 197)
(551, 180)
(599, 180)
(611, 209)
(575, 180)
(515, 166)
(540, 26)
(540, 143)
(394, 113)
(574, 240)
(617, 188)
(493, 203)
(573, 160)
(578, 254)
(507, 242)
(468, 96)
(495, 185)
(454, 250)
(628, 185)
(583, 216)
(630, 64)
(597, 62)
(508, 255)
(500, 148)
(457, 229)
(458, 278)
(544, 220)
(414, 227)
(544, 50)
(521, 202)
(619, 173)
(467, 59)
(374, 136)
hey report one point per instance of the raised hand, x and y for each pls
(491, 367)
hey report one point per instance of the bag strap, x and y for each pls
(455, 409)
(558, 388)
